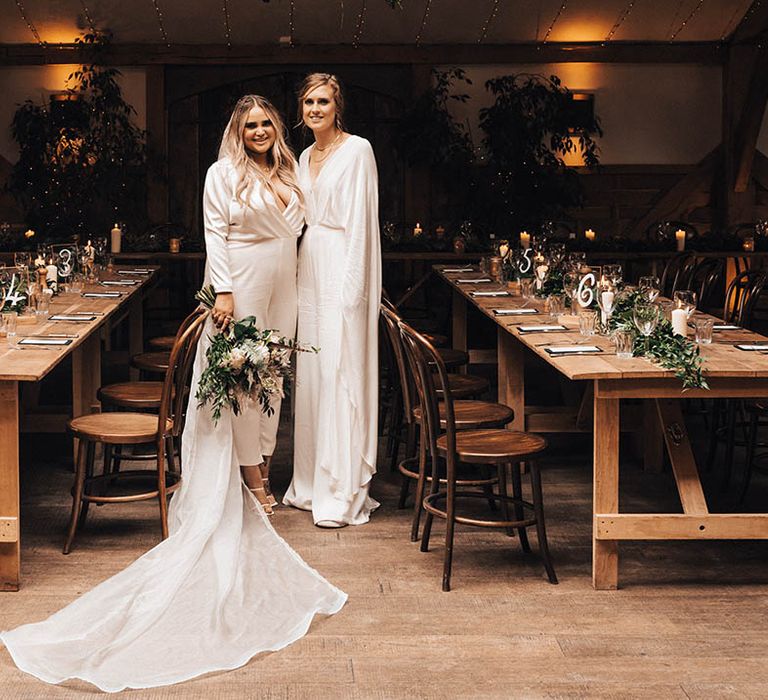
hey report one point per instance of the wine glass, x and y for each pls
(649, 287)
(646, 317)
(614, 273)
(570, 285)
(685, 299)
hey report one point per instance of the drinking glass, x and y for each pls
(623, 340)
(649, 287)
(556, 305)
(587, 321)
(570, 285)
(9, 325)
(77, 283)
(703, 327)
(526, 288)
(685, 299)
(43, 304)
(646, 317)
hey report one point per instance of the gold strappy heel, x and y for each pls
(259, 491)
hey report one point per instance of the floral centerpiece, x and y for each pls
(245, 363)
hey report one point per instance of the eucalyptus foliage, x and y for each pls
(666, 349)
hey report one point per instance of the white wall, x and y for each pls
(36, 83)
(651, 114)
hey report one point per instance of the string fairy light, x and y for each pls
(88, 17)
(554, 21)
(292, 20)
(687, 20)
(160, 24)
(227, 25)
(424, 19)
(359, 26)
(752, 9)
(620, 20)
(738, 10)
(29, 24)
(489, 21)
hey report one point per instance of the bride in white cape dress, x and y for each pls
(223, 587)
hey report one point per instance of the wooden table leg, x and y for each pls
(10, 546)
(86, 378)
(459, 324)
(605, 490)
(136, 331)
(511, 376)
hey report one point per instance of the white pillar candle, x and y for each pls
(115, 238)
(525, 239)
(680, 240)
(606, 304)
(52, 276)
(680, 322)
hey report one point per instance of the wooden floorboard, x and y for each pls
(688, 622)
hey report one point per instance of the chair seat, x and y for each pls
(464, 386)
(163, 342)
(453, 358)
(117, 428)
(474, 414)
(493, 446)
(151, 361)
(132, 395)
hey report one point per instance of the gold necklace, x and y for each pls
(330, 145)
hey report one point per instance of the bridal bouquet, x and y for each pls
(244, 363)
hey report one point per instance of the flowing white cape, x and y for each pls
(223, 587)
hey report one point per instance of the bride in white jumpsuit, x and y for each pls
(224, 585)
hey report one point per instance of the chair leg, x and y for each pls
(488, 490)
(504, 494)
(395, 428)
(89, 460)
(751, 447)
(450, 523)
(517, 494)
(162, 495)
(409, 452)
(541, 532)
(77, 493)
(419, 495)
(434, 486)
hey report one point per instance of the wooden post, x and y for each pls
(157, 145)
(605, 490)
(10, 545)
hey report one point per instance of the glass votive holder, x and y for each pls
(526, 288)
(703, 330)
(556, 303)
(77, 283)
(43, 304)
(9, 326)
(623, 341)
(587, 321)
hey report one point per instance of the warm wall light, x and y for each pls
(581, 111)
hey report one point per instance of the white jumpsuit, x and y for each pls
(339, 291)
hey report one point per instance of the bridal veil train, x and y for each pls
(223, 587)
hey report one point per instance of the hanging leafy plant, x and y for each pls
(81, 157)
(528, 131)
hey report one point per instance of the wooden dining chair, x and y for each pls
(499, 448)
(465, 386)
(469, 414)
(134, 428)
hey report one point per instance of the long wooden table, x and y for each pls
(31, 364)
(731, 373)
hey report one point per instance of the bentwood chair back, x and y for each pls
(742, 297)
(677, 270)
(132, 428)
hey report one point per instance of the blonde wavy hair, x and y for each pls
(280, 158)
(315, 80)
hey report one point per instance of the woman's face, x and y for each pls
(259, 132)
(319, 109)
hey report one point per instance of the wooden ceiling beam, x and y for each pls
(751, 121)
(457, 54)
(754, 24)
